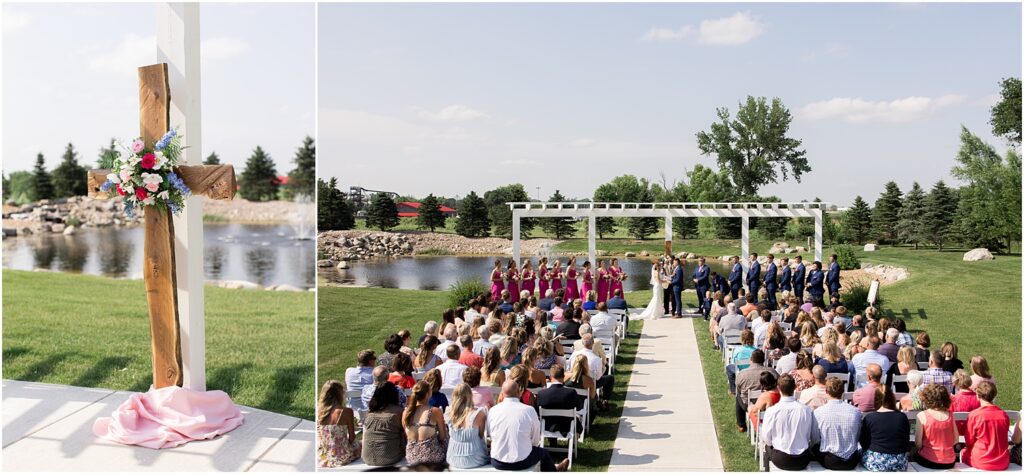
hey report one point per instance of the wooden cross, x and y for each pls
(212, 181)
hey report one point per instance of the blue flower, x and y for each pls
(178, 184)
(129, 208)
(166, 139)
(174, 207)
(106, 186)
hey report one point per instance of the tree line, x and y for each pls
(259, 180)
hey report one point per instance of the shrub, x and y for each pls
(435, 251)
(855, 296)
(73, 221)
(460, 292)
(847, 257)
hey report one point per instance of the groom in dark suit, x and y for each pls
(677, 288)
(666, 295)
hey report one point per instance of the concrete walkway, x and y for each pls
(49, 427)
(666, 424)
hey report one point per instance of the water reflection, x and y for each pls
(264, 254)
(438, 273)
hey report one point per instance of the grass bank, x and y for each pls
(93, 331)
(353, 319)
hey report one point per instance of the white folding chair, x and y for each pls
(922, 366)
(418, 375)
(584, 413)
(569, 438)
(844, 376)
(351, 395)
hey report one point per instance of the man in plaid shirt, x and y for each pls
(838, 430)
(935, 374)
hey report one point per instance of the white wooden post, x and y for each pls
(668, 233)
(515, 236)
(178, 46)
(592, 240)
(745, 247)
(818, 214)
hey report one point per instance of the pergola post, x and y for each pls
(668, 234)
(817, 234)
(515, 236)
(745, 245)
(592, 239)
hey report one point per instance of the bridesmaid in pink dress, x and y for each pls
(513, 281)
(588, 279)
(527, 276)
(542, 277)
(603, 278)
(572, 291)
(556, 276)
(497, 282)
(616, 273)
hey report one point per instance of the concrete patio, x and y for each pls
(49, 428)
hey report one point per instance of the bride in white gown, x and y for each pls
(656, 308)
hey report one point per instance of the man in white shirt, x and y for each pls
(473, 312)
(731, 320)
(787, 362)
(788, 430)
(451, 370)
(516, 444)
(603, 323)
(596, 365)
(451, 336)
(815, 396)
(598, 346)
(870, 356)
(482, 345)
(761, 320)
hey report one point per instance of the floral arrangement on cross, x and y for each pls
(145, 177)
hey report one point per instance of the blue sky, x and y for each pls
(458, 97)
(69, 75)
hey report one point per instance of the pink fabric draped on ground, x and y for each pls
(169, 417)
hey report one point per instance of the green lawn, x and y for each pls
(93, 331)
(353, 319)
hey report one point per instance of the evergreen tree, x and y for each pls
(939, 213)
(857, 221)
(887, 213)
(382, 213)
(301, 179)
(500, 214)
(213, 159)
(911, 222)
(769, 227)
(682, 227)
(106, 156)
(259, 180)
(43, 181)
(641, 227)
(473, 220)
(560, 227)
(70, 178)
(604, 225)
(430, 215)
(333, 210)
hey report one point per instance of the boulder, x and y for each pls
(978, 254)
(285, 287)
(725, 258)
(57, 228)
(629, 254)
(238, 285)
(342, 265)
(799, 249)
(644, 253)
(870, 247)
(778, 247)
(325, 263)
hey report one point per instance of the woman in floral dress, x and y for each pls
(335, 432)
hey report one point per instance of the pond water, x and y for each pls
(263, 254)
(437, 273)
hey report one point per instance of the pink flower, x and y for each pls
(148, 161)
(137, 146)
(153, 187)
(140, 193)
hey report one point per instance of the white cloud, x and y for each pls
(132, 52)
(14, 21)
(583, 142)
(858, 110)
(222, 48)
(451, 113)
(453, 134)
(739, 28)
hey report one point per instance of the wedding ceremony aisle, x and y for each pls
(666, 422)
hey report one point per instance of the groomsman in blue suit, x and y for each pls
(770, 283)
(700, 282)
(677, 289)
(719, 283)
(753, 279)
(736, 277)
(815, 283)
(786, 280)
(832, 279)
(799, 277)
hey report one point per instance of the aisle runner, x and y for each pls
(666, 424)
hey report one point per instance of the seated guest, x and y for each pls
(890, 349)
(864, 397)
(935, 432)
(383, 436)
(870, 356)
(732, 321)
(598, 344)
(922, 349)
(740, 353)
(617, 301)
(424, 428)
(746, 380)
(535, 376)
(451, 338)
(406, 336)
(603, 323)
(769, 396)
(1015, 444)
(857, 326)
(401, 371)
(491, 374)
(515, 435)
(556, 311)
(802, 375)
(336, 429)
(392, 345)
(604, 382)
(426, 359)
(547, 300)
(815, 396)
(839, 316)
(885, 435)
(936, 374)
(950, 362)
(985, 443)
(557, 397)
(451, 370)
(473, 313)
(904, 339)
(760, 327)
(506, 302)
(483, 344)
(578, 376)
(776, 345)
(466, 423)
(380, 376)
(788, 430)
(591, 303)
(570, 328)
(750, 306)
(912, 401)
(787, 363)
(981, 372)
(548, 351)
(429, 329)
(965, 399)
(437, 398)
(360, 376)
(905, 362)
(483, 396)
(838, 429)
(832, 359)
(466, 356)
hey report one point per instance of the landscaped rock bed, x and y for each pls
(344, 245)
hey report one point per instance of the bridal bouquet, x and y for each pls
(143, 176)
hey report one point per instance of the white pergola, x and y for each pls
(667, 210)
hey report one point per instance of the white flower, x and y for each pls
(113, 178)
(134, 159)
(126, 175)
(152, 181)
(149, 201)
(128, 188)
(161, 160)
(164, 195)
